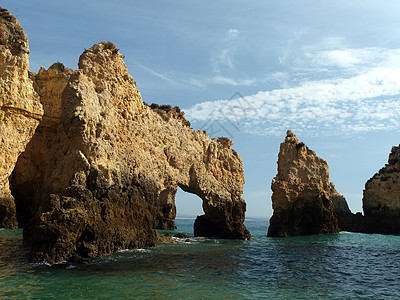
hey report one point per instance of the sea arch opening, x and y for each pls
(188, 205)
(177, 203)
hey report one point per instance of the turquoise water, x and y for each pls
(346, 265)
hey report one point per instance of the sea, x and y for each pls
(338, 266)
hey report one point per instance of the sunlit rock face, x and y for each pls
(20, 109)
(113, 165)
(303, 197)
(381, 201)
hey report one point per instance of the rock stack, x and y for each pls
(303, 197)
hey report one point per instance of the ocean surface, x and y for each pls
(340, 266)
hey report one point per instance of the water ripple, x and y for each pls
(341, 266)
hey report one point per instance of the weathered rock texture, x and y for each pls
(29, 173)
(113, 166)
(303, 197)
(381, 201)
(20, 109)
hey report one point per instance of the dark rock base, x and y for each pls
(380, 224)
(304, 217)
(8, 214)
(91, 222)
(209, 228)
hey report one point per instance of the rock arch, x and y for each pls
(115, 164)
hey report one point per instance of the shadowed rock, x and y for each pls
(20, 109)
(29, 173)
(381, 201)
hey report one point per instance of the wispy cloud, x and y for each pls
(232, 34)
(286, 51)
(362, 103)
(196, 82)
(223, 57)
(231, 81)
(159, 75)
(222, 80)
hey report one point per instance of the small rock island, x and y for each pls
(381, 201)
(305, 202)
(303, 199)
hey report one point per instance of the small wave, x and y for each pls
(41, 264)
(133, 250)
(186, 240)
(71, 267)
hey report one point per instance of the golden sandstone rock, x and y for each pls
(20, 109)
(113, 166)
(303, 197)
(102, 169)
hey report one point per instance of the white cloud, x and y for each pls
(366, 58)
(362, 103)
(224, 56)
(233, 34)
(231, 81)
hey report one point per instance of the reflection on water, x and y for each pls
(334, 266)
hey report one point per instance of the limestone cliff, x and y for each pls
(20, 109)
(381, 201)
(303, 196)
(114, 165)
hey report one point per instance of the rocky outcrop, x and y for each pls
(381, 201)
(20, 109)
(303, 197)
(113, 165)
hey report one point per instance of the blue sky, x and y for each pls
(250, 70)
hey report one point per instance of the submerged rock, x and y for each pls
(381, 200)
(113, 165)
(303, 197)
(20, 109)
(182, 236)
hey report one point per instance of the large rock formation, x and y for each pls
(113, 165)
(381, 201)
(20, 109)
(303, 197)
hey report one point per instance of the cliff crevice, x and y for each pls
(20, 109)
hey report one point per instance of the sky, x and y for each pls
(250, 70)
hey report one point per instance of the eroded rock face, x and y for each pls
(381, 201)
(303, 196)
(114, 166)
(29, 172)
(20, 109)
